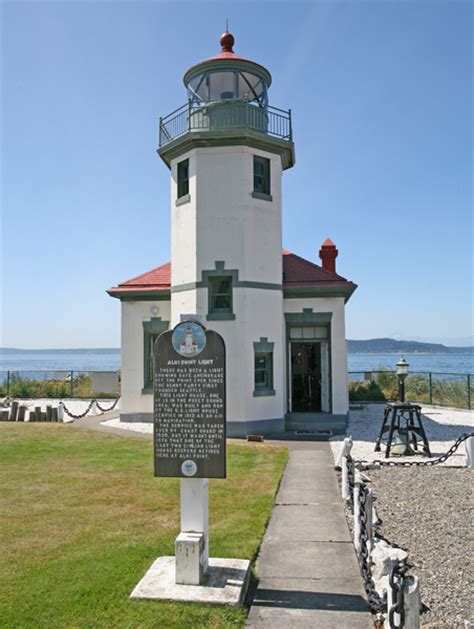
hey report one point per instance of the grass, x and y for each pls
(84, 518)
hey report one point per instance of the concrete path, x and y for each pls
(307, 567)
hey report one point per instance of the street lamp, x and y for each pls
(402, 373)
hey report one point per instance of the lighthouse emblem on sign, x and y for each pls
(188, 339)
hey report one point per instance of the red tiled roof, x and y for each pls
(297, 273)
(158, 279)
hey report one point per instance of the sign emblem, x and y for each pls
(189, 339)
(189, 468)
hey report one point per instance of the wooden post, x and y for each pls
(21, 413)
(32, 416)
(469, 445)
(49, 412)
(54, 415)
(14, 411)
(38, 413)
(4, 415)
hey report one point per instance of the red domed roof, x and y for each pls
(227, 42)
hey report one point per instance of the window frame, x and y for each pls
(213, 293)
(263, 349)
(262, 182)
(182, 182)
(151, 329)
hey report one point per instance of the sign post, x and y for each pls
(190, 443)
(189, 432)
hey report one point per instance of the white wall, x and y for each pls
(338, 358)
(134, 313)
(224, 222)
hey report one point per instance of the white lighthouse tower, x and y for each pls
(227, 150)
(282, 316)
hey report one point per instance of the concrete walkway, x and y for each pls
(307, 567)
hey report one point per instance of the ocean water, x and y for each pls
(107, 361)
(59, 361)
(435, 363)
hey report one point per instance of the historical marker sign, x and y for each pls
(189, 403)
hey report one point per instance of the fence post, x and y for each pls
(469, 391)
(72, 383)
(431, 389)
(8, 383)
(356, 491)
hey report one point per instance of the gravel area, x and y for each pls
(442, 426)
(146, 428)
(428, 512)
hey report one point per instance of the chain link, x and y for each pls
(378, 463)
(81, 415)
(375, 601)
(395, 581)
(106, 410)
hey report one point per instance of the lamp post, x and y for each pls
(402, 372)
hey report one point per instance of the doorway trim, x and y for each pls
(305, 319)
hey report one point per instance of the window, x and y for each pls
(264, 371)
(263, 368)
(183, 178)
(220, 294)
(261, 175)
(149, 368)
(151, 331)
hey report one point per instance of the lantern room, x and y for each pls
(227, 76)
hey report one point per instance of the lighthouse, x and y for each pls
(282, 317)
(227, 149)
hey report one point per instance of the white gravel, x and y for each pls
(146, 428)
(442, 426)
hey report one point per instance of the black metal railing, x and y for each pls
(424, 387)
(224, 116)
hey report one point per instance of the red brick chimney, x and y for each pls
(328, 254)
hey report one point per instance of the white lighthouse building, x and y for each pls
(281, 316)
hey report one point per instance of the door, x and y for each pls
(306, 377)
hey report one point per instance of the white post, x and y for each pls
(345, 450)
(60, 412)
(469, 445)
(345, 489)
(368, 510)
(355, 497)
(94, 410)
(192, 544)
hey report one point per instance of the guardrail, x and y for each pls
(225, 116)
(428, 387)
(36, 383)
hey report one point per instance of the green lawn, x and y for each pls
(83, 518)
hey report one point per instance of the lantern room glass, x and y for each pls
(227, 84)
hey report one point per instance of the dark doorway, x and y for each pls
(306, 377)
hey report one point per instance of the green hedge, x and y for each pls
(30, 388)
(384, 387)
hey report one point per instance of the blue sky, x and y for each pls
(381, 94)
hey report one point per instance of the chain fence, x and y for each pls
(364, 532)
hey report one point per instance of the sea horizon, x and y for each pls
(108, 359)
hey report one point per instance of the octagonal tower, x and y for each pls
(227, 149)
